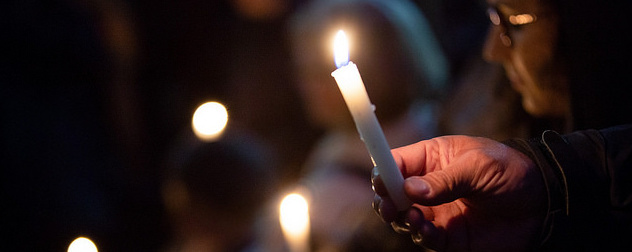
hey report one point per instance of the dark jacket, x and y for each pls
(588, 175)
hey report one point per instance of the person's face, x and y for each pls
(526, 49)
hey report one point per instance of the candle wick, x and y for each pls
(342, 64)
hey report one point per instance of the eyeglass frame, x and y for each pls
(512, 22)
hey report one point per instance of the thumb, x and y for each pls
(436, 188)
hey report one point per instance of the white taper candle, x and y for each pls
(352, 88)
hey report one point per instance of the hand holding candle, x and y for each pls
(352, 88)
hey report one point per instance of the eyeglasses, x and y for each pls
(509, 24)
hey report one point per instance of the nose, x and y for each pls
(495, 49)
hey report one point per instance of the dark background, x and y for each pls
(95, 93)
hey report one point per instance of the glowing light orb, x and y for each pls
(82, 244)
(209, 121)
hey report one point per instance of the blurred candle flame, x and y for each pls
(341, 49)
(209, 121)
(294, 218)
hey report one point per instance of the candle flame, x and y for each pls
(294, 215)
(341, 49)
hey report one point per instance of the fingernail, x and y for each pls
(419, 186)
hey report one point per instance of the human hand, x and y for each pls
(469, 194)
